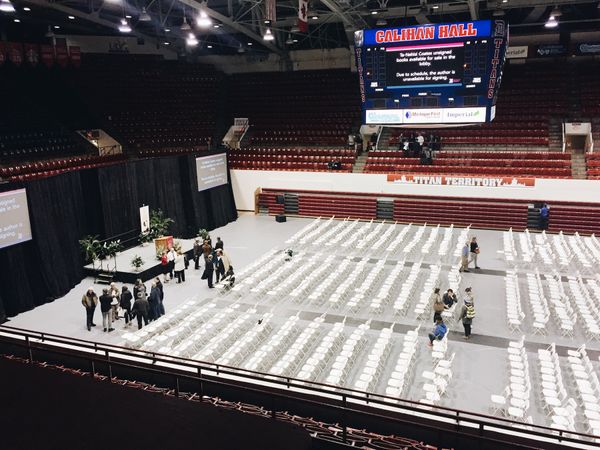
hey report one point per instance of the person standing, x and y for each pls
(209, 269)
(171, 256)
(439, 331)
(106, 308)
(544, 216)
(125, 303)
(180, 267)
(164, 264)
(437, 303)
(89, 301)
(154, 303)
(206, 250)
(197, 253)
(116, 295)
(139, 287)
(468, 313)
(140, 309)
(464, 258)
(219, 244)
(161, 291)
(221, 264)
(474, 248)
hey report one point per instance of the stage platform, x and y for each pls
(125, 273)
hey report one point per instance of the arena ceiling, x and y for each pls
(239, 25)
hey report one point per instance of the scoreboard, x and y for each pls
(431, 74)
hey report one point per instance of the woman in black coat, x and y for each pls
(125, 303)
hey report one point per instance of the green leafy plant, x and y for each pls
(90, 247)
(137, 262)
(203, 234)
(146, 237)
(109, 249)
(159, 224)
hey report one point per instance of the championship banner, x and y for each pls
(303, 15)
(32, 54)
(62, 56)
(449, 180)
(15, 53)
(75, 55)
(47, 52)
(270, 10)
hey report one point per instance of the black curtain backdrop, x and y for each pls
(103, 201)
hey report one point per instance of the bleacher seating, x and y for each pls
(301, 158)
(537, 164)
(592, 161)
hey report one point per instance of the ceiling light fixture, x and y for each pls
(56, 27)
(289, 40)
(167, 30)
(203, 20)
(6, 6)
(191, 40)
(268, 35)
(26, 9)
(217, 25)
(250, 44)
(71, 17)
(16, 21)
(166, 43)
(315, 17)
(144, 16)
(209, 46)
(128, 16)
(551, 23)
(185, 26)
(124, 27)
(374, 12)
(555, 12)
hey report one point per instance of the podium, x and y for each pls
(162, 244)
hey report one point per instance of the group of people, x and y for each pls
(418, 145)
(469, 255)
(442, 303)
(173, 265)
(145, 307)
(216, 261)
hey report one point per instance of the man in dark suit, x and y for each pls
(219, 265)
(209, 269)
(219, 244)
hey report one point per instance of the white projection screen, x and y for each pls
(211, 171)
(14, 218)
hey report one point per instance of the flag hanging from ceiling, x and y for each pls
(270, 10)
(303, 15)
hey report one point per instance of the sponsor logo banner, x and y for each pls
(551, 50)
(417, 116)
(451, 180)
(517, 52)
(588, 48)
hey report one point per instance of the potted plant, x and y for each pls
(137, 262)
(109, 249)
(90, 247)
(203, 234)
(159, 223)
(145, 238)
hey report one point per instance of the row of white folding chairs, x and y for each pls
(586, 306)
(260, 273)
(440, 347)
(344, 361)
(304, 266)
(241, 347)
(188, 344)
(528, 253)
(538, 303)
(303, 231)
(323, 289)
(345, 235)
(169, 320)
(326, 265)
(561, 305)
(399, 239)
(148, 340)
(514, 401)
(437, 380)
(423, 306)
(331, 232)
(383, 295)
(444, 246)
(321, 228)
(508, 246)
(407, 288)
(415, 240)
(349, 244)
(373, 279)
(400, 377)
(585, 259)
(514, 310)
(348, 285)
(385, 237)
(587, 385)
(375, 362)
(261, 359)
(225, 337)
(286, 365)
(325, 351)
(431, 240)
(593, 246)
(282, 270)
(460, 242)
(258, 263)
(366, 240)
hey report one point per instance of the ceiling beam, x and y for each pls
(473, 6)
(240, 28)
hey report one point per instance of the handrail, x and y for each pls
(482, 420)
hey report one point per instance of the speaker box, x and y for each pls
(280, 218)
(280, 199)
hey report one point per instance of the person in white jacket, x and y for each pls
(180, 267)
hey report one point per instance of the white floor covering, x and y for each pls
(480, 365)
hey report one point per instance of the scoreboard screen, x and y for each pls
(431, 74)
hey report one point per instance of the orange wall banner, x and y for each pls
(448, 180)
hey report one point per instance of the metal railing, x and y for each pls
(340, 400)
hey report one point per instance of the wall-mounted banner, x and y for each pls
(145, 219)
(517, 52)
(588, 48)
(551, 50)
(425, 115)
(449, 180)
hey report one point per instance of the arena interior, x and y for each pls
(353, 157)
